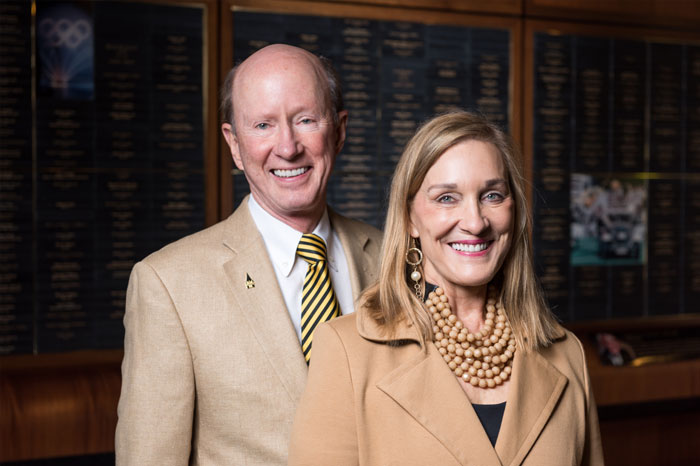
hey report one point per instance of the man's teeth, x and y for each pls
(289, 173)
(469, 247)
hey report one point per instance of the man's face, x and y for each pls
(285, 139)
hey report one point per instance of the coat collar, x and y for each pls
(426, 388)
(355, 239)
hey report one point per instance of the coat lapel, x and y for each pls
(532, 396)
(430, 394)
(262, 305)
(355, 242)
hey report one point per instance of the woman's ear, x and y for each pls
(412, 230)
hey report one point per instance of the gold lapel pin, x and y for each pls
(249, 283)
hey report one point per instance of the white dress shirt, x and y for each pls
(281, 242)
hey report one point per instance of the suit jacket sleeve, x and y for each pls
(157, 397)
(324, 429)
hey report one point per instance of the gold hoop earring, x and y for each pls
(415, 274)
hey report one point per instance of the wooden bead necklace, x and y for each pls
(483, 359)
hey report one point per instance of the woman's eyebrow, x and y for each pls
(442, 186)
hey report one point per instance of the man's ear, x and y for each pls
(232, 142)
(340, 131)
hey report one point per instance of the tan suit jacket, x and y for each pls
(212, 369)
(374, 401)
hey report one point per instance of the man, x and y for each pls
(213, 366)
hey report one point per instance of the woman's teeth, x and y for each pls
(469, 247)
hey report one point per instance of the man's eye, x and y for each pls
(262, 126)
(306, 121)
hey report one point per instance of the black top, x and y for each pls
(491, 417)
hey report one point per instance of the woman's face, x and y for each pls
(463, 215)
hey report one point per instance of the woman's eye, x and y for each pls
(493, 196)
(445, 198)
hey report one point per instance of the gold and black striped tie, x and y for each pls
(318, 300)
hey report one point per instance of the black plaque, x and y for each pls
(16, 255)
(666, 107)
(591, 90)
(490, 74)
(692, 101)
(551, 167)
(591, 290)
(629, 90)
(664, 275)
(628, 297)
(691, 246)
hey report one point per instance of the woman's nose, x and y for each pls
(473, 219)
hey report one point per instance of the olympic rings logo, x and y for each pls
(64, 32)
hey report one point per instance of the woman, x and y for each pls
(480, 375)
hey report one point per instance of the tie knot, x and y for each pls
(311, 248)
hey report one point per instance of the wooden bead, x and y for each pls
(483, 359)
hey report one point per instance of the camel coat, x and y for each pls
(213, 368)
(374, 401)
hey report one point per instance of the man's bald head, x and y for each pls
(319, 68)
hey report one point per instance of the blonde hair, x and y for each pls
(392, 299)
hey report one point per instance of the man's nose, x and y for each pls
(287, 144)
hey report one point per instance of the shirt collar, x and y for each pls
(282, 240)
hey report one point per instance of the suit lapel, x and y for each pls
(430, 394)
(532, 396)
(354, 243)
(263, 305)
